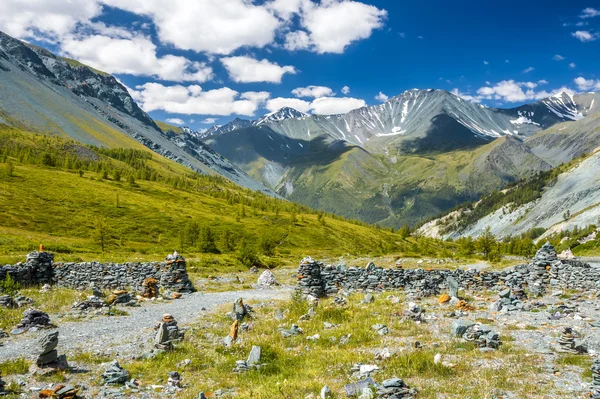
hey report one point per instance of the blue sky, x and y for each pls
(208, 61)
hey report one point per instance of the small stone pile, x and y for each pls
(60, 392)
(510, 300)
(309, 278)
(149, 288)
(176, 277)
(240, 311)
(481, 335)
(32, 320)
(167, 333)
(253, 361)
(294, 330)
(267, 279)
(6, 301)
(395, 388)
(2, 385)
(115, 374)
(122, 297)
(49, 354)
(174, 380)
(340, 300)
(567, 344)
(596, 379)
(414, 313)
(90, 304)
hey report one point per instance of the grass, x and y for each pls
(296, 367)
(14, 367)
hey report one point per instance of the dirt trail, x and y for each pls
(124, 335)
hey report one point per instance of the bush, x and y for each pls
(246, 255)
(267, 244)
(8, 286)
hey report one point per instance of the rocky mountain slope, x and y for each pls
(415, 156)
(48, 94)
(569, 199)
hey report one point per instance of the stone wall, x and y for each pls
(39, 268)
(545, 270)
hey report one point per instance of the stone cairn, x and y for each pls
(240, 310)
(596, 379)
(2, 385)
(90, 304)
(149, 288)
(395, 388)
(567, 344)
(309, 278)
(539, 276)
(32, 320)
(122, 297)
(481, 335)
(167, 333)
(115, 374)
(49, 354)
(176, 277)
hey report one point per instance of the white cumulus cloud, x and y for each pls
(587, 84)
(346, 90)
(189, 100)
(572, 65)
(209, 121)
(335, 105)
(589, 13)
(313, 91)
(585, 36)
(529, 69)
(381, 97)
(297, 40)
(277, 103)
(558, 57)
(244, 69)
(334, 24)
(512, 91)
(465, 96)
(176, 121)
(134, 56)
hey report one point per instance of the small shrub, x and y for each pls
(9, 286)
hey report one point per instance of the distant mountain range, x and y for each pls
(48, 94)
(412, 157)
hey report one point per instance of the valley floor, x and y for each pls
(334, 339)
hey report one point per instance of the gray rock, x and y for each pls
(459, 327)
(254, 357)
(355, 388)
(452, 286)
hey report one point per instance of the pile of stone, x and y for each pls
(3, 392)
(175, 277)
(510, 300)
(253, 361)
(18, 301)
(340, 301)
(49, 354)
(121, 297)
(539, 276)
(395, 388)
(115, 374)
(482, 336)
(149, 288)
(240, 310)
(414, 313)
(32, 320)
(6, 301)
(596, 379)
(174, 380)
(60, 392)
(567, 343)
(92, 303)
(267, 279)
(294, 330)
(167, 333)
(309, 278)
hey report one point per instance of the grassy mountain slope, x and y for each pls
(45, 200)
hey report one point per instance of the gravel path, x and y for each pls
(124, 336)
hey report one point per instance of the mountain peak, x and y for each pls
(281, 114)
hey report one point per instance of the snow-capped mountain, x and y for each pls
(277, 116)
(418, 114)
(280, 115)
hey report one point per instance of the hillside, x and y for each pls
(46, 94)
(67, 196)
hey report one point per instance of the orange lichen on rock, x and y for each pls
(443, 298)
(464, 306)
